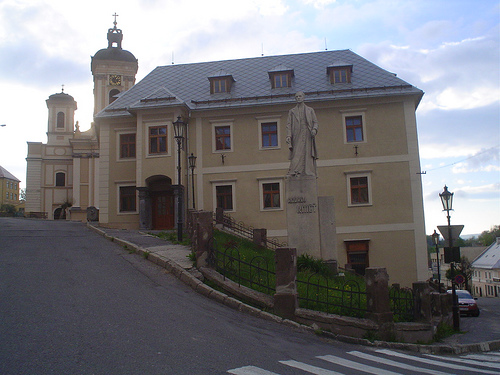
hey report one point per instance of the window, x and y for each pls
(269, 134)
(158, 139)
(60, 120)
(357, 255)
(281, 80)
(359, 190)
(60, 179)
(113, 95)
(224, 197)
(271, 195)
(127, 146)
(339, 73)
(221, 82)
(222, 138)
(127, 199)
(354, 128)
(219, 85)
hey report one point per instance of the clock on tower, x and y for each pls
(115, 80)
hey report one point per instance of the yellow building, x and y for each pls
(236, 113)
(9, 188)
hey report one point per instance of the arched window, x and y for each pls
(60, 179)
(60, 120)
(113, 95)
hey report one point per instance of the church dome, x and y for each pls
(61, 96)
(114, 53)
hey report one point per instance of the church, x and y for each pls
(130, 168)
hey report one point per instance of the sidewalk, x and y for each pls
(477, 337)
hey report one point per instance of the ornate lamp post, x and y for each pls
(447, 201)
(192, 166)
(179, 128)
(435, 238)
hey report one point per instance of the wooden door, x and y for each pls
(163, 210)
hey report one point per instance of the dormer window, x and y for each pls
(281, 76)
(339, 73)
(220, 82)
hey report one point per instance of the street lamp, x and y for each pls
(435, 238)
(179, 129)
(447, 201)
(192, 166)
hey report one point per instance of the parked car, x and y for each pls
(466, 303)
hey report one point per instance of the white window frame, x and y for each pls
(222, 123)
(232, 183)
(263, 181)
(263, 120)
(126, 184)
(119, 132)
(149, 125)
(358, 174)
(353, 113)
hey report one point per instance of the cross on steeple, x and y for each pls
(62, 88)
(115, 15)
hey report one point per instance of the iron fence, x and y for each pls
(257, 273)
(402, 303)
(332, 296)
(242, 230)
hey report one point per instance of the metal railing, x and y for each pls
(256, 273)
(337, 297)
(402, 301)
(242, 230)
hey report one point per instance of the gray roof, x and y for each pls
(4, 173)
(490, 258)
(188, 84)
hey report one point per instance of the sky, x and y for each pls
(448, 49)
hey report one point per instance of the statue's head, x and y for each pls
(299, 97)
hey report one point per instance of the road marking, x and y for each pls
(390, 362)
(469, 360)
(251, 370)
(311, 369)
(357, 365)
(435, 363)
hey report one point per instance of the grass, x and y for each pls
(171, 236)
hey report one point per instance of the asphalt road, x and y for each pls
(72, 302)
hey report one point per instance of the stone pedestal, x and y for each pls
(302, 215)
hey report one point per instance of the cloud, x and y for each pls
(455, 76)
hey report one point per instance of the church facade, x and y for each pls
(235, 113)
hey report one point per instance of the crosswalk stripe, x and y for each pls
(469, 360)
(435, 363)
(357, 365)
(311, 369)
(251, 370)
(483, 357)
(389, 362)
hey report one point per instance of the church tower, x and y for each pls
(113, 69)
(60, 125)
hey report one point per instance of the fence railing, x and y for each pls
(242, 230)
(257, 273)
(402, 301)
(336, 297)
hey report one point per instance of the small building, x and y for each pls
(486, 272)
(9, 188)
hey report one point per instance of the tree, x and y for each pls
(486, 238)
(22, 195)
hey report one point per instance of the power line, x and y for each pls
(460, 161)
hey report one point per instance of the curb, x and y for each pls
(200, 287)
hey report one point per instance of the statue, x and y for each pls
(301, 130)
